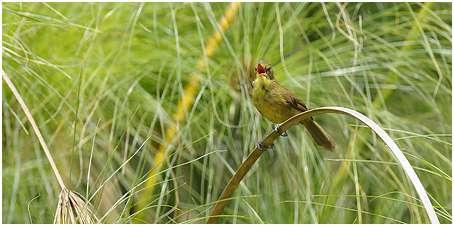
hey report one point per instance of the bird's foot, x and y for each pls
(263, 147)
(276, 128)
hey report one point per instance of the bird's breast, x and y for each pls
(270, 103)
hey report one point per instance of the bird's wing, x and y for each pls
(295, 103)
(289, 98)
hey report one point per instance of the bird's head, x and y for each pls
(264, 76)
(264, 70)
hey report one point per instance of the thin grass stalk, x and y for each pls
(71, 208)
(189, 92)
(378, 102)
(269, 139)
(393, 78)
(35, 129)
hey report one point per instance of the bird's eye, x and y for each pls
(269, 70)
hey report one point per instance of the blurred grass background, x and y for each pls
(102, 81)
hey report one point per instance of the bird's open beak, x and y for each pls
(260, 68)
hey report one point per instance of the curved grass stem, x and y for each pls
(269, 139)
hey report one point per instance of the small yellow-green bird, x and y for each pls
(278, 104)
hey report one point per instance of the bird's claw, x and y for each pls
(277, 129)
(263, 147)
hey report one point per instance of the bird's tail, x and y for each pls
(319, 135)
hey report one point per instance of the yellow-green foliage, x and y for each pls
(102, 81)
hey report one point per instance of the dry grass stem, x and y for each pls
(269, 139)
(71, 208)
(35, 129)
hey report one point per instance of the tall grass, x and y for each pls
(102, 81)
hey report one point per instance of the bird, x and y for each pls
(277, 104)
